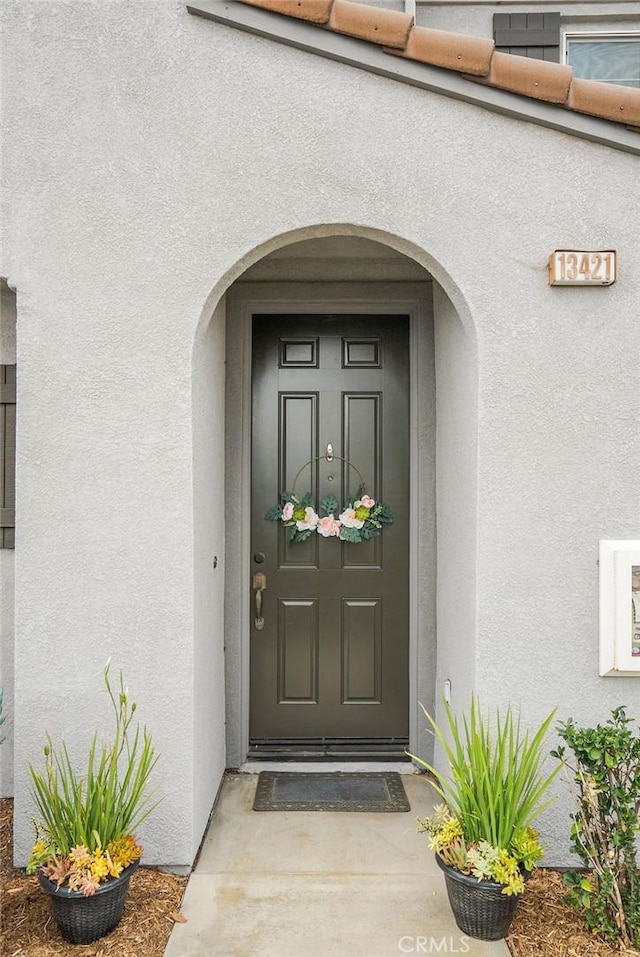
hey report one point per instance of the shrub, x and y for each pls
(606, 771)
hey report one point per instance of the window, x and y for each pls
(607, 57)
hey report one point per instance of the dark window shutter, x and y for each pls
(7, 456)
(534, 35)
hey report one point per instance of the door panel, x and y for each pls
(361, 651)
(298, 643)
(332, 658)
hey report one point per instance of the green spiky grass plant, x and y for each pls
(495, 785)
(110, 802)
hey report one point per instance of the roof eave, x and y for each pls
(365, 56)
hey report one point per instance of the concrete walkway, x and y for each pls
(314, 884)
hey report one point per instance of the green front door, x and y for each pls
(329, 645)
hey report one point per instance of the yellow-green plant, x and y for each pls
(481, 859)
(85, 834)
(494, 790)
(83, 870)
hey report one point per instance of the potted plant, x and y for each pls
(85, 850)
(483, 835)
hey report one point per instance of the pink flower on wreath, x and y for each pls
(309, 522)
(287, 511)
(328, 526)
(367, 501)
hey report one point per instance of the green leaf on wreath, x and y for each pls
(301, 535)
(329, 505)
(350, 534)
(274, 513)
(289, 497)
(307, 500)
(370, 531)
(385, 515)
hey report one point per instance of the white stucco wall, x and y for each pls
(151, 157)
(457, 485)
(208, 744)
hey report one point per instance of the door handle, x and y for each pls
(259, 585)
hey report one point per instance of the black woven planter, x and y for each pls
(480, 908)
(84, 919)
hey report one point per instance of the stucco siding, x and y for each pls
(152, 158)
(209, 568)
(457, 489)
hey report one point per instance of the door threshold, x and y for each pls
(329, 750)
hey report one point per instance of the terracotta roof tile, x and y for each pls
(619, 103)
(376, 24)
(453, 51)
(473, 57)
(530, 77)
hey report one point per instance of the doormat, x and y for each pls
(330, 791)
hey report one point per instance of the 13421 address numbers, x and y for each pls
(582, 267)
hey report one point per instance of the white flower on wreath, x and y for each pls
(349, 519)
(310, 521)
(287, 511)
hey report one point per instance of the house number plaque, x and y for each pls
(583, 267)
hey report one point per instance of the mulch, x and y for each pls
(544, 925)
(27, 928)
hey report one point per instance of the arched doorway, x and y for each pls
(356, 273)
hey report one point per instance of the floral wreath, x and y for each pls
(361, 518)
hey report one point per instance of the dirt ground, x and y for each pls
(544, 925)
